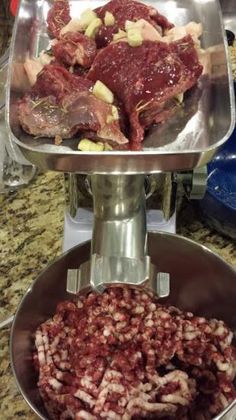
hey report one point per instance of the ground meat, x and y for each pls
(121, 355)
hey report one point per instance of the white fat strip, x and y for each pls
(54, 344)
(151, 407)
(145, 387)
(55, 384)
(57, 360)
(148, 31)
(106, 332)
(64, 365)
(222, 366)
(192, 28)
(122, 401)
(173, 376)
(84, 415)
(110, 375)
(56, 397)
(149, 323)
(138, 309)
(80, 304)
(88, 385)
(189, 328)
(144, 396)
(176, 375)
(152, 307)
(175, 399)
(74, 25)
(59, 375)
(85, 397)
(118, 388)
(120, 325)
(111, 415)
(220, 330)
(223, 400)
(189, 336)
(47, 348)
(129, 335)
(40, 348)
(79, 55)
(154, 379)
(136, 356)
(144, 296)
(101, 399)
(33, 66)
(228, 339)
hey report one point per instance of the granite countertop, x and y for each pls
(31, 221)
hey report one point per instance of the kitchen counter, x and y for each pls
(31, 221)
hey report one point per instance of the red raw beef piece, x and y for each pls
(147, 77)
(124, 10)
(58, 17)
(75, 48)
(56, 81)
(133, 10)
(105, 35)
(61, 104)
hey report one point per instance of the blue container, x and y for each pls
(219, 204)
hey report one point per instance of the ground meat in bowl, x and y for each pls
(122, 355)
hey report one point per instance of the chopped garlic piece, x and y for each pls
(86, 145)
(129, 24)
(102, 92)
(114, 115)
(119, 35)
(107, 147)
(93, 28)
(135, 38)
(180, 97)
(109, 119)
(115, 112)
(109, 19)
(87, 17)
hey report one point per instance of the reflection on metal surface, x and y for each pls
(15, 171)
(163, 285)
(160, 193)
(118, 249)
(183, 142)
(101, 272)
(119, 216)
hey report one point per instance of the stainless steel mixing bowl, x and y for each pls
(200, 282)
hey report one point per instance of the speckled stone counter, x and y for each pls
(31, 226)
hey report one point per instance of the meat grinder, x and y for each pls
(119, 249)
(118, 182)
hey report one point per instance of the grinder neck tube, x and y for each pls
(119, 216)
